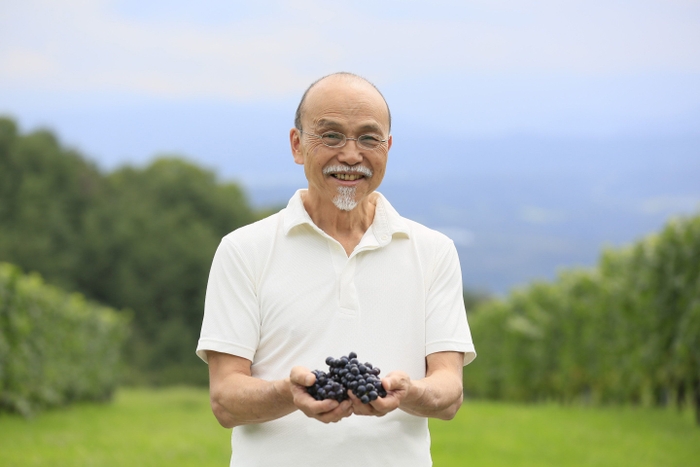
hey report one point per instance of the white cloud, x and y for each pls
(670, 204)
(460, 236)
(539, 215)
(89, 45)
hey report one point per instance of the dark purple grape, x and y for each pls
(347, 374)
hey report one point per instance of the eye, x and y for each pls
(332, 138)
(370, 140)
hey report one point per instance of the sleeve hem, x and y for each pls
(453, 346)
(224, 347)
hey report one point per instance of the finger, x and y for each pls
(359, 408)
(343, 410)
(302, 376)
(396, 382)
(393, 382)
(384, 405)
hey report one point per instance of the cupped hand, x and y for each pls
(397, 384)
(327, 411)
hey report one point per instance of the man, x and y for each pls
(337, 270)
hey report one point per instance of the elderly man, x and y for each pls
(337, 270)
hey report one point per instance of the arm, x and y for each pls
(438, 395)
(237, 398)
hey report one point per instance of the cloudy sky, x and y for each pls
(555, 108)
(479, 67)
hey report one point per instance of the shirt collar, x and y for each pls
(386, 223)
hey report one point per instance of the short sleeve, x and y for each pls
(231, 322)
(446, 324)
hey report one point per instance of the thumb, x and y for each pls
(395, 381)
(301, 375)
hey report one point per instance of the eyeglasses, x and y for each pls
(334, 139)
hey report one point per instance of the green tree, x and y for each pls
(136, 238)
(44, 193)
(149, 242)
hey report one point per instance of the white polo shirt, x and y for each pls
(283, 293)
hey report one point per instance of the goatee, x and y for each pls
(345, 199)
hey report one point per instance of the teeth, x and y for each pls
(349, 177)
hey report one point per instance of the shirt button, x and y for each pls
(385, 237)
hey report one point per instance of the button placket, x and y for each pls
(349, 302)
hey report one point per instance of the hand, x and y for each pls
(327, 411)
(397, 384)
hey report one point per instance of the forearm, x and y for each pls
(439, 394)
(237, 398)
(240, 400)
(436, 396)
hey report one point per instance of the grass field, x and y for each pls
(174, 427)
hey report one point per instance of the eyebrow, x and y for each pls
(334, 124)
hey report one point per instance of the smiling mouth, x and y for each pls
(348, 173)
(347, 177)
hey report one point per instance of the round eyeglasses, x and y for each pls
(334, 139)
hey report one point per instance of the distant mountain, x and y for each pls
(518, 209)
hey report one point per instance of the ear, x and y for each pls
(295, 144)
(389, 141)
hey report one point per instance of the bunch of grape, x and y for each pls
(347, 373)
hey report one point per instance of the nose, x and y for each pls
(351, 153)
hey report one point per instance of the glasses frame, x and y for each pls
(345, 139)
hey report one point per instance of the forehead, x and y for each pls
(341, 102)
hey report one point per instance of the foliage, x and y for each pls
(54, 347)
(148, 246)
(626, 331)
(137, 238)
(44, 193)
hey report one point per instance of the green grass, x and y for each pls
(174, 427)
(167, 427)
(515, 435)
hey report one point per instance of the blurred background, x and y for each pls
(532, 133)
(548, 139)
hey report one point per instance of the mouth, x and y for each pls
(347, 173)
(347, 177)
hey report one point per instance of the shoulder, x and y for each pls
(418, 234)
(253, 239)
(423, 234)
(426, 241)
(268, 225)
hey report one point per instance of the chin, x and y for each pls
(345, 200)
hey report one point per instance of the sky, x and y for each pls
(479, 67)
(218, 82)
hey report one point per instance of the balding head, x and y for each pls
(342, 75)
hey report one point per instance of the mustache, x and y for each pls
(348, 169)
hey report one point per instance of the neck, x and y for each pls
(347, 227)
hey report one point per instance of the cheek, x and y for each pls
(379, 165)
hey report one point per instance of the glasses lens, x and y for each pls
(369, 141)
(333, 139)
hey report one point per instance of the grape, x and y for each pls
(347, 373)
